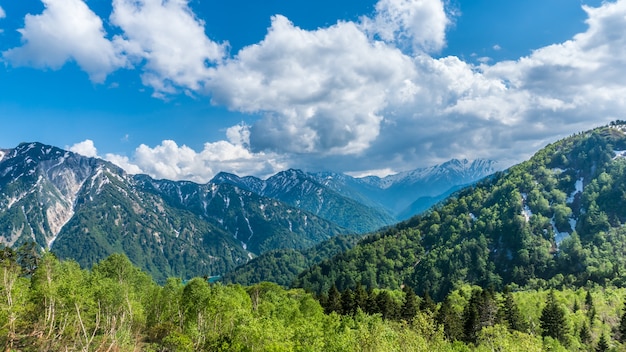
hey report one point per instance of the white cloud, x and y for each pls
(169, 39)
(85, 148)
(66, 30)
(320, 91)
(171, 161)
(2, 15)
(346, 97)
(510, 109)
(419, 24)
(124, 162)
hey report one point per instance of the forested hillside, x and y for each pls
(282, 266)
(52, 305)
(555, 219)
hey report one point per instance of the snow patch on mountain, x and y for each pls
(558, 236)
(526, 212)
(578, 189)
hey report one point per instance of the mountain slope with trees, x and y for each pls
(86, 209)
(552, 220)
(282, 266)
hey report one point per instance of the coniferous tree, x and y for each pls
(480, 311)
(553, 321)
(386, 306)
(488, 308)
(512, 314)
(347, 302)
(28, 257)
(333, 303)
(450, 320)
(409, 307)
(471, 318)
(427, 304)
(591, 309)
(371, 307)
(584, 334)
(603, 344)
(360, 297)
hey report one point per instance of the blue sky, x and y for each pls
(184, 89)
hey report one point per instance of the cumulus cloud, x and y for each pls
(66, 30)
(366, 95)
(417, 24)
(320, 91)
(170, 161)
(169, 39)
(505, 110)
(124, 162)
(85, 148)
(340, 98)
(510, 109)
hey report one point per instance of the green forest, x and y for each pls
(52, 305)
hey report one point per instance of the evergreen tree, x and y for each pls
(333, 303)
(584, 334)
(471, 318)
(409, 307)
(28, 257)
(386, 306)
(347, 302)
(553, 321)
(603, 344)
(427, 304)
(450, 320)
(512, 314)
(371, 307)
(591, 308)
(360, 297)
(480, 311)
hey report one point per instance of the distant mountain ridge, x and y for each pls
(302, 190)
(391, 195)
(87, 208)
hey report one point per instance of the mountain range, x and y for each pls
(87, 208)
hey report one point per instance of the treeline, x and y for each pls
(52, 305)
(565, 319)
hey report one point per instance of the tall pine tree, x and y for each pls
(603, 344)
(512, 314)
(409, 307)
(553, 321)
(333, 303)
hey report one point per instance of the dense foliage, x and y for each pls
(555, 219)
(115, 306)
(282, 266)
